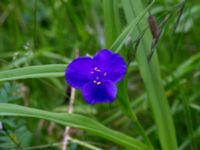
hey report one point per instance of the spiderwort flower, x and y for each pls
(97, 77)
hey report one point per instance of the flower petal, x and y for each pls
(78, 72)
(102, 93)
(112, 64)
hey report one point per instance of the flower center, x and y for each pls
(98, 75)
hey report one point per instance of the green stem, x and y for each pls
(135, 120)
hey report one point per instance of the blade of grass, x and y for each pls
(118, 43)
(76, 121)
(188, 140)
(72, 140)
(111, 22)
(152, 80)
(188, 116)
(42, 71)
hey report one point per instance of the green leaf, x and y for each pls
(76, 121)
(118, 43)
(150, 73)
(111, 20)
(112, 28)
(43, 71)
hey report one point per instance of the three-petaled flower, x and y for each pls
(97, 76)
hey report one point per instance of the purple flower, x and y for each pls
(97, 77)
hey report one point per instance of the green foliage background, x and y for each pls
(157, 106)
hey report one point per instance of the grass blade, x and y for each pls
(111, 20)
(118, 43)
(73, 120)
(112, 28)
(42, 71)
(152, 79)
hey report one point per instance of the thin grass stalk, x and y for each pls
(186, 107)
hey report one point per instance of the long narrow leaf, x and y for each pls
(55, 70)
(111, 20)
(73, 120)
(152, 79)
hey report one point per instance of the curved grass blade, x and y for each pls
(76, 121)
(42, 71)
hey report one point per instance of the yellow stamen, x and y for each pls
(98, 83)
(97, 69)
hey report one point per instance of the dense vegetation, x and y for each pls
(157, 105)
